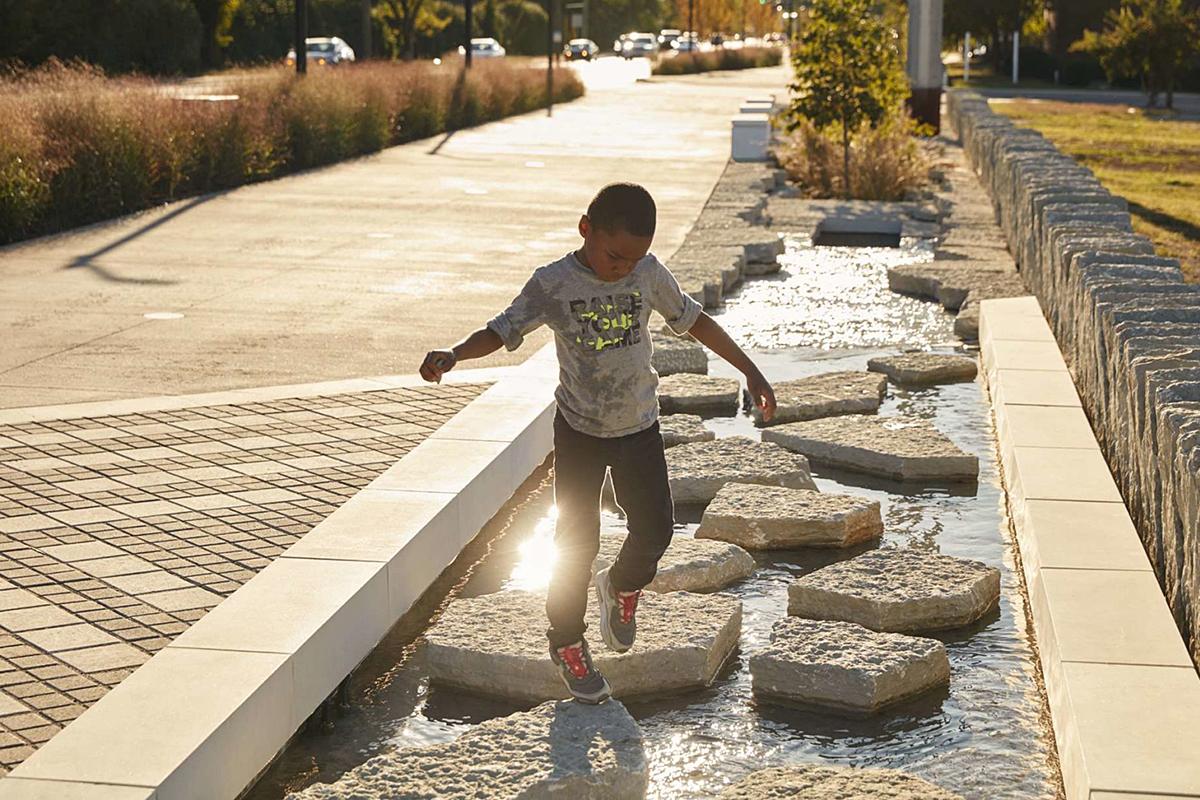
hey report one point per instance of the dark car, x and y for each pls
(580, 50)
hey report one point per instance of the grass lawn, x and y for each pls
(1150, 159)
(983, 76)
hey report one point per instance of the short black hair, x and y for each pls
(624, 207)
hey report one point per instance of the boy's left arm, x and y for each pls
(709, 333)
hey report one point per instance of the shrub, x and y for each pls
(80, 147)
(887, 161)
(723, 59)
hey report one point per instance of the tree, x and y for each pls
(848, 71)
(216, 18)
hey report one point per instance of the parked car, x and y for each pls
(485, 47)
(687, 43)
(324, 51)
(667, 37)
(580, 50)
(639, 45)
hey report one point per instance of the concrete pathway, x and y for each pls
(356, 269)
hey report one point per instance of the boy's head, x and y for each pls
(617, 229)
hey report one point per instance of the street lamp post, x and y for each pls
(549, 58)
(467, 24)
(691, 23)
(301, 36)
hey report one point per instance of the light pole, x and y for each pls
(301, 36)
(549, 58)
(467, 24)
(692, 24)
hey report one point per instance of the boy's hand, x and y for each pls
(762, 395)
(436, 364)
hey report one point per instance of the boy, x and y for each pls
(598, 300)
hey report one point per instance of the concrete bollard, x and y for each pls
(751, 137)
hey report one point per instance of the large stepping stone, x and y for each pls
(778, 518)
(689, 565)
(683, 428)
(833, 783)
(898, 590)
(697, 471)
(845, 666)
(924, 369)
(673, 355)
(686, 393)
(496, 645)
(907, 449)
(558, 749)
(826, 395)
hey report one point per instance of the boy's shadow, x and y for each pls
(577, 730)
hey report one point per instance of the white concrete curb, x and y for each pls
(1124, 695)
(200, 719)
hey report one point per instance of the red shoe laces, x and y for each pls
(572, 656)
(628, 601)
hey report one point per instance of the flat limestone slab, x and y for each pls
(683, 428)
(558, 749)
(826, 395)
(697, 471)
(834, 783)
(673, 355)
(924, 369)
(689, 565)
(687, 393)
(897, 590)
(779, 518)
(904, 449)
(683, 639)
(845, 666)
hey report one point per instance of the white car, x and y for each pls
(485, 47)
(686, 43)
(639, 45)
(324, 51)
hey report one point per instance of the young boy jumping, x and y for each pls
(598, 300)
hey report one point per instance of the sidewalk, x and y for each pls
(119, 531)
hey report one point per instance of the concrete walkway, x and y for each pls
(356, 269)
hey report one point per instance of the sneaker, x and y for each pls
(618, 622)
(583, 680)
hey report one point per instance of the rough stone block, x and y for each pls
(683, 639)
(834, 783)
(924, 369)
(898, 590)
(672, 355)
(825, 395)
(558, 749)
(689, 565)
(683, 428)
(698, 470)
(845, 666)
(779, 518)
(892, 447)
(688, 393)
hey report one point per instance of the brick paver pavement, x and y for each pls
(117, 533)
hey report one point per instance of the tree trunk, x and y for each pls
(845, 158)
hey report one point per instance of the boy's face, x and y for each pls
(611, 254)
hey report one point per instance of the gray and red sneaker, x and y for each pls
(583, 680)
(618, 610)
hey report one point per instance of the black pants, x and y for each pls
(639, 476)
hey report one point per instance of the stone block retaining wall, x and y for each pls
(1128, 327)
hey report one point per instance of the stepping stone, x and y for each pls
(697, 471)
(558, 749)
(901, 448)
(683, 639)
(689, 565)
(924, 369)
(777, 518)
(845, 666)
(826, 395)
(672, 355)
(683, 428)
(686, 393)
(898, 590)
(834, 783)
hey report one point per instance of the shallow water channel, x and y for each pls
(984, 737)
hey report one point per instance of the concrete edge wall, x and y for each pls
(1124, 697)
(1128, 327)
(200, 719)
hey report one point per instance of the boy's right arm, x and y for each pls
(437, 363)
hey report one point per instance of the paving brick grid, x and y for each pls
(117, 533)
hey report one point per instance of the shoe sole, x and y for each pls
(591, 700)
(610, 641)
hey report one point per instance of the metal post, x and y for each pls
(1016, 55)
(467, 24)
(365, 48)
(966, 57)
(691, 31)
(301, 35)
(549, 58)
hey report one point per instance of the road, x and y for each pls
(355, 269)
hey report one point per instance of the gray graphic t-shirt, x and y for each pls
(606, 386)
